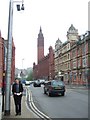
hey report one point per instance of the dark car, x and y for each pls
(37, 83)
(54, 87)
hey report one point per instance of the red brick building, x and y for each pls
(3, 58)
(80, 62)
(72, 58)
(45, 67)
(40, 46)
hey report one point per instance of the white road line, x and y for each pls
(34, 108)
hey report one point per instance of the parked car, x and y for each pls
(54, 87)
(23, 81)
(42, 81)
(37, 83)
(27, 82)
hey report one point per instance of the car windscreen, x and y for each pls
(57, 83)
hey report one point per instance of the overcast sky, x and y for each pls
(54, 16)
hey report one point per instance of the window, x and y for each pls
(83, 49)
(83, 76)
(57, 83)
(74, 76)
(68, 56)
(79, 51)
(68, 65)
(66, 76)
(84, 62)
(73, 53)
(74, 64)
(79, 63)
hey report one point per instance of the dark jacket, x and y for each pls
(14, 88)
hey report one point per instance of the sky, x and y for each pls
(54, 16)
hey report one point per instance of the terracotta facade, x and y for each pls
(72, 58)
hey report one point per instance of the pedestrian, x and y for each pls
(17, 90)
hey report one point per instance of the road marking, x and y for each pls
(34, 108)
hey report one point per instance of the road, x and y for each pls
(72, 105)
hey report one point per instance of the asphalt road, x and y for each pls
(73, 105)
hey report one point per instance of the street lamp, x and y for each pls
(86, 34)
(9, 58)
(18, 6)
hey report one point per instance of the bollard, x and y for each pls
(0, 105)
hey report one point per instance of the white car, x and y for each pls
(27, 82)
(42, 81)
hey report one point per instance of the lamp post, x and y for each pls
(86, 34)
(9, 60)
(22, 63)
(22, 68)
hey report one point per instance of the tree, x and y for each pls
(30, 76)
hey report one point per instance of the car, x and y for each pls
(54, 87)
(42, 81)
(37, 83)
(27, 82)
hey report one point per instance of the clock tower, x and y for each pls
(40, 46)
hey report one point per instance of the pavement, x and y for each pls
(0, 105)
(27, 113)
(79, 88)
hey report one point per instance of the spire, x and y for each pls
(58, 41)
(40, 35)
(40, 45)
(40, 29)
(72, 27)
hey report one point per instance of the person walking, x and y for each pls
(17, 91)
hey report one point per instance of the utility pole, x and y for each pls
(22, 63)
(22, 69)
(9, 56)
(86, 70)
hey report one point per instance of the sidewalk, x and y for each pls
(26, 112)
(72, 86)
(78, 88)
